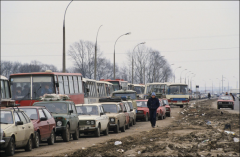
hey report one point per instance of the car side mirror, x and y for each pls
(43, 118)
(131, 109)
(101, 114)
(70, 111)
(19, 123)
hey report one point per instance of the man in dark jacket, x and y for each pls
(232, 96)
(153, 104)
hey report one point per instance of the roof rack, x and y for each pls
(54, 97)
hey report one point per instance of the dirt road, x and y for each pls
(198, 130)
(63, 148)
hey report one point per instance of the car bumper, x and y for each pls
(225, 106)
(87, 128)
(4, 142)
(112, 125)
(140, 116)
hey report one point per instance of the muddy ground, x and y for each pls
(199, 130)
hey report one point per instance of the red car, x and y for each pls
(143, 110)
(127, 116)
(43, 122)
(161, 110)
(168, 108)
(225, 101)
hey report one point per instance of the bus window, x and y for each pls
(66, 87)
(61, 87)
(2, 90)
(80, 84)
(85, 89)
(75, 82)
(20, 87)
(42, 85)
(71, 84)
(7, 89)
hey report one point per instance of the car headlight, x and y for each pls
(112, 119)
(92, 122)
(140, 111)
(59, 123)
(88, 122)
(220, 102)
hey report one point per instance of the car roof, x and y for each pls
(142, 100)
(95, 104)
(108, 103)
(31, 107)
(46, 102)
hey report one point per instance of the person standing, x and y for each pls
(153, 104)
(232, 96)
(209, 95)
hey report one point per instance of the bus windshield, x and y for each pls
(178, 89)
(116, 85)
(23, 89)
(157, 88)
(139, 89)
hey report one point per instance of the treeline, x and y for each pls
(149, 65)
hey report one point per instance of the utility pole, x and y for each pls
(95, 62)
(222, 83)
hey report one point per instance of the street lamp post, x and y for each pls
(181, 75)
(114, 52)
(185, 77)
(132, 58)
(95, 62)
(175, 71)
(64, 54)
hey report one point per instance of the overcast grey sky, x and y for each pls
(200, 36)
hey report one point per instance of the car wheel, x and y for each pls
(10, 149)
(164, 117)
(169, 114)
(131, 124)
(66, 134)
(97, 132)
(51, 139)
(123, 128)
(116, 129)
(36, 140)
(106, 131)
(76, 134)
(146, 118)
(127, 126)
(28, 147)
(161, 117)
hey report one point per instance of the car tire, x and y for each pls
(76, 134)
(116, 129)
(36, 140)
(161, 117)
(131, 124)
(105, 132)
(66, 134)
(29, 145)
(169, 114)
(146, 118)
(97, 132)
(123, 128)
(127, 126)
(164, 117)
(51, 139)
(10, 149)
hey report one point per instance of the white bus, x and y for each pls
(5, 88)
(139, 88)
(109, 88)
(90, 91)
(177, 94)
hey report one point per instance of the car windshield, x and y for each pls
(139, 89)
(178, 89)
(132, 95)
(225, 98)
(87, 110)
(141, 103)
(165, 102)
(111, 108)
(6, 117)
(30, 112)
(54, 108)
(21, 86)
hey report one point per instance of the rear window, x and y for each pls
(54, 107)
(31, 113)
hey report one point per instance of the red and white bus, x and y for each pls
(26, 88)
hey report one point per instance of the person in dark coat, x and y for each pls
(153, 104)
(232, 96)
(209, 95)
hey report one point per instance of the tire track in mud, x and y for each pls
(198, 131)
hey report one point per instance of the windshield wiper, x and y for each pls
(24, 97)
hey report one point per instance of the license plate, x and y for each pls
(81, 128)
(179, 101)
(225, 105)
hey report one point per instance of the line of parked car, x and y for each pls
(26, 126)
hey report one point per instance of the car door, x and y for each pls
(25, 127)
(19, 131)
(51, 122)
(102, 118)
(74, 116)
(106, 118)
(70, 115)
(30, 127)
(122, 115)
(43, 125)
